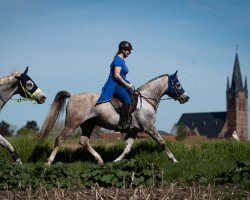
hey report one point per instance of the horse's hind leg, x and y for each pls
(152, 131)
(59, 141)
(129, 142)
(87, 129)
(10, 148)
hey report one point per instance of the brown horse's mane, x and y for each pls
(145, 85)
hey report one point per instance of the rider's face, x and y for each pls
(126, 53)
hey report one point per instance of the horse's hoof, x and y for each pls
(100, 163)
(175, 161)
(47, 164)
(19, 161)
(117, 160)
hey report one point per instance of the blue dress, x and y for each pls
(110, 86)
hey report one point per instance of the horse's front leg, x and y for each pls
(152, 131)
(10, 148)
(129, 142)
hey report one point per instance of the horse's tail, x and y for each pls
(54, 113)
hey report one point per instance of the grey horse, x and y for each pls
(22, 84)
(83, 111)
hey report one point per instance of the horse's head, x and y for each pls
(28, 89)
(175, 90)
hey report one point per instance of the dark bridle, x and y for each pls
(26, 89)
(175, 90)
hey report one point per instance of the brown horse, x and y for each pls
(22, 84)
(83, 111)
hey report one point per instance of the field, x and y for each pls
(213, 169)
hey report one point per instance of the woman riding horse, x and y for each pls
(118, 86)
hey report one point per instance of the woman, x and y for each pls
(117, 85)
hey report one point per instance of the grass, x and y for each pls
(201, 161)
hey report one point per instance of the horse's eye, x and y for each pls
(178, 86)
(29, 85)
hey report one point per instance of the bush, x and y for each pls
(30, 128)
(181, 132)
(25, 132)
(6, 129)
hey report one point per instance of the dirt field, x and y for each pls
(174, 191)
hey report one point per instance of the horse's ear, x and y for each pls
(174, 74)
(26, 70)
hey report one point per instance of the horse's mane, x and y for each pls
(10, 78)
(145, 85)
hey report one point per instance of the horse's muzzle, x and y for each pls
(41, 99)
(183, 98)
(39, 96)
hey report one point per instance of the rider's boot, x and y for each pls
(125, 118)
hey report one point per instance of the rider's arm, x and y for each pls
(120, 79)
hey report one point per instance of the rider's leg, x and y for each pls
(125, 116)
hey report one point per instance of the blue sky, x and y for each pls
(69, 46)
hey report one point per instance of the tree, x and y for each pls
(6, 129)
(30, 128)
(32, 125)
(181, 131)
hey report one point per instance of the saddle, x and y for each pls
(117, 104)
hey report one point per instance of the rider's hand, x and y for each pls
(130, 86)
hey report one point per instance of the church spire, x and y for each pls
(245, 87)
(228, 87)
(237, 84)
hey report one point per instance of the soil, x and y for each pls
(173, 191)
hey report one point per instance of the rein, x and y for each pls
(18, 100)
(155, 106)
(148, 100)
(26, 92)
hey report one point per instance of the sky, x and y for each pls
(69, 45)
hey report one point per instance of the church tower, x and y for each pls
(237, 104)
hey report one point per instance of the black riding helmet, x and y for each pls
(124, 45)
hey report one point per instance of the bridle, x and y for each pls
(171, 91)
(28, 96)
(147, 99)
